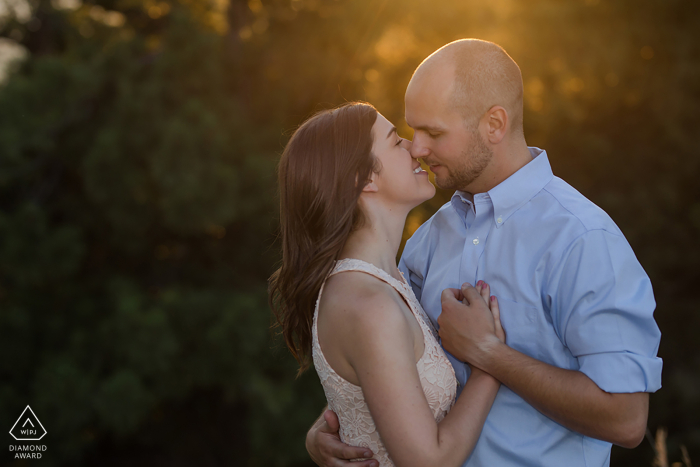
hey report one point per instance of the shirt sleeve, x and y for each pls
(414, 260)
(415, 279)
(602, 307)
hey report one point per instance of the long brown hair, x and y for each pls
(322, 172)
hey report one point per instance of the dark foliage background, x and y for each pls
(138, 144)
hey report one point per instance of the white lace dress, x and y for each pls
(437, 376)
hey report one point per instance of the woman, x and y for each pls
(347, 183)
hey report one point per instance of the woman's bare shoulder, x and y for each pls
(360, 297)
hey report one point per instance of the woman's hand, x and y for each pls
(485, 290)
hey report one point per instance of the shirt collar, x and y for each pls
(461, 202)
(515, 191)
(512, 193)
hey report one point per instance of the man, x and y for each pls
(575, 303)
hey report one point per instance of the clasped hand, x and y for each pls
(470, 324)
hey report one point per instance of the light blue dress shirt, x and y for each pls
(571, 294)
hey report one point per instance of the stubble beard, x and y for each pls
(476, 158)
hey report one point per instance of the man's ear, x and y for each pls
(497, 122)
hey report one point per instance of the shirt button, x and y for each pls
(475, 241)
(499, 220)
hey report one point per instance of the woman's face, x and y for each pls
(401, 179)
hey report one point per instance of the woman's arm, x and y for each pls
(382, 355)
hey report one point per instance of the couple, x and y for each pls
(572, 371)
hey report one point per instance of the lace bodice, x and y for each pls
(437, 376)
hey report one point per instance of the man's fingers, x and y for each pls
(367, 463)
(463, 290)
(470, 293)
(451, 295)
(332, 424)
(345, 452)
(326, 449)
(371, 463)
(340, 453)
(354, 452)
(335, 452)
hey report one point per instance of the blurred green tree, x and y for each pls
(137, 212)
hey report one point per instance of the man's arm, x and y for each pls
(569, 397)
(325, 448)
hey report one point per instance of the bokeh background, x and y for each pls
(138, 209)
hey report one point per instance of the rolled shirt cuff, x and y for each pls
(622, 372)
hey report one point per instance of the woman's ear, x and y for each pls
(370, 186)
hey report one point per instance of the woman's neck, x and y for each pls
(378, 240)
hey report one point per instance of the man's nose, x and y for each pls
(418, 150)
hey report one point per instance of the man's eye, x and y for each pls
(433, 135)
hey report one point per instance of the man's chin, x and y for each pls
(444, 184)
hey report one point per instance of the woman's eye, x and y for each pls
(400, 141)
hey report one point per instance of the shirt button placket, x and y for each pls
(475, 241)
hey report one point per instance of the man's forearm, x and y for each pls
(568, 397)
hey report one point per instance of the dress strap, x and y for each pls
(353, 264)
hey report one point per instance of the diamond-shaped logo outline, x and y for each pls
(20, 418)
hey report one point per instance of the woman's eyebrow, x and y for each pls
(393, 130)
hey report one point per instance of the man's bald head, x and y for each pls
(483, 75)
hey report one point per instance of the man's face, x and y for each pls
(455, 153)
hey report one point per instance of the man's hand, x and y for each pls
(326, 450)
(469, 322)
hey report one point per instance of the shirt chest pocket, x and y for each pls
(523, 326)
